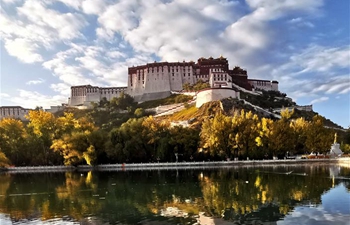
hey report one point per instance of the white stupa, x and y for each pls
(335, 148)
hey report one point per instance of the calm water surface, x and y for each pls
(250, 195)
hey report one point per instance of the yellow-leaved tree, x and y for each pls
(42, 128)
(265, 132)
(244, 133)
(318, 137)
(215, 135)
(299, 128)
(155, 131)
(280, 138)
(12, 141)
(73, 140)
(4, 161)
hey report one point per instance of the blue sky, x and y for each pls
(49, 45)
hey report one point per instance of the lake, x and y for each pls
(283, 194)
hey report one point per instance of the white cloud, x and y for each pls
(318, 100)
(93, 6)
(188, 29)
(91, 64)
(76, 4)
(34, 27)
(301, 22)
(116, 54)
(38, 81)
(315, 70)
(322, 59)
(23, 49)
(9, 1)
(62, 88)
(65, 25)
(4, 95)
(31, 99)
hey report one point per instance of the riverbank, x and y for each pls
(175, 165)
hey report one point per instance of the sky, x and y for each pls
(49, 45)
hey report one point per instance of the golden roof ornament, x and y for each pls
(335, 138)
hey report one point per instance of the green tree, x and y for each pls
(127, 143)
(184, 141)
(200, 85)
(187, 87)
(139, 112)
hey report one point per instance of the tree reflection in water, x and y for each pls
(221, 196)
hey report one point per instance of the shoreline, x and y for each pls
(175, 165)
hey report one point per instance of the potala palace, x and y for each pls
(157, 80)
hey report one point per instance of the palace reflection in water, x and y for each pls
(249, 195)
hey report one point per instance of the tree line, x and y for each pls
(47, 139)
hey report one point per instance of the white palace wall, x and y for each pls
(84, 95)
(215, 94)
(16, 112)
(156, 81)
(264, 85)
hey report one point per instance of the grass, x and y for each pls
(172, 99)
(184, 114)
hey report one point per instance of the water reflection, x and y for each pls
(335, 209)
(248, 195)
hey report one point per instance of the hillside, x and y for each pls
(229, 106)
(114, 113)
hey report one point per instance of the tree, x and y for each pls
(318, 138)
(244, 133)
(265, 132)
(299, 130)
(200, 85)
(154, 132)
(74, 140)
(128, 142)
(184, 141)
(43, 126)
(280, 141)
(12, 140)
(125, 102)
(139, 112)
(4, 161)
(187, 87)
(215, 135)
